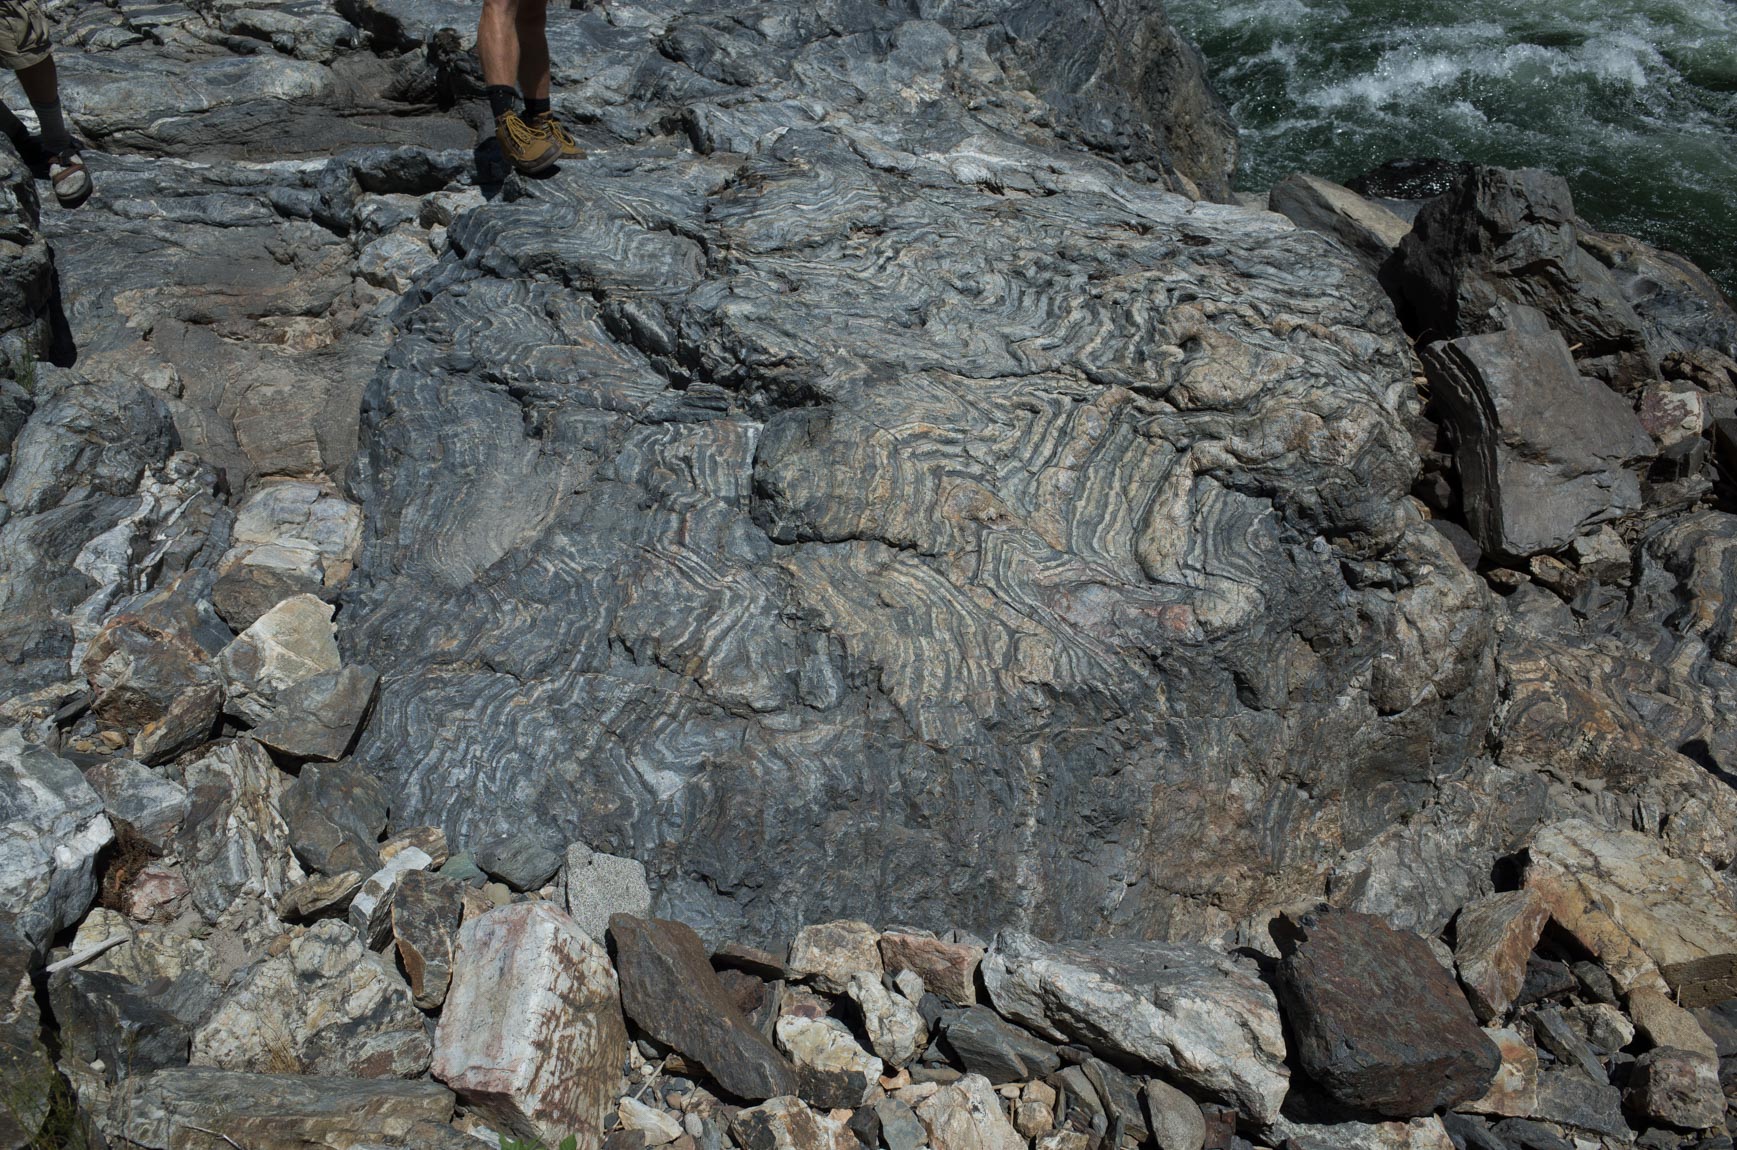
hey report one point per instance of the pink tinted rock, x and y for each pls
(532, 1032)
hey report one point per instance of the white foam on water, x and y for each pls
(1633, 100)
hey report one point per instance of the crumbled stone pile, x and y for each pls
(1549, 1015)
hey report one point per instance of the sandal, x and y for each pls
(72, 184)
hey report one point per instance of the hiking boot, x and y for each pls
(70, 181)
(570, 149)
(529, 148)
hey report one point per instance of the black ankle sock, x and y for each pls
(535, 108)
(502, 97)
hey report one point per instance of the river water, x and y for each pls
(1634, 102)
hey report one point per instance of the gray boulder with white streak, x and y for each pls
(51, 828)
(1187, 1011)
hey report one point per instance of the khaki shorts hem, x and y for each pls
(19, 63)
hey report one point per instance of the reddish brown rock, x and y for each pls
(948, 969)
(1380, 1026)
(670, 991)
(1676, 1087)
(532, 1033)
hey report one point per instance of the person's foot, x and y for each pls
(528, 147)
(570, 149)
(67, 175)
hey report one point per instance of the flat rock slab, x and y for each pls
(1417, 1134)
(1379, 1025)
(1040, 540)
(669, 990)
(532, 1033)
(1650, 918)
(1371, 231)
(1186, 1010)
(51, 827)
(198, 1109)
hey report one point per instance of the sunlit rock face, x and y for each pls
(889, 497)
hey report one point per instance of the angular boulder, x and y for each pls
(145, 801)
(1514, 1090)
(1493, 938)
(1542, 450)
(371, 909)
(1676, 1087)
(325, 1005)
(531, 1033)
(786, 1123)
(669, 990)
(600, 885)
(234, 842)
(25, 1067)
(289, 537)
(1663, 1023)
(103, 1016)
(288, 644)
(1652, 919)
(518, 860)
(318, 717)
(1379, 1025)
(335, 814)
(967, 1116)
(152, 676)
(1500, 238)
(1186, 1010)
(52, 826)
(895, 1028)
(426, 913)
(978, 1041)
(829, 954)
(832, 1071)
(948, 969)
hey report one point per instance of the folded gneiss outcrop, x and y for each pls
(886, 505)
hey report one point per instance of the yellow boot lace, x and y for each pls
(522, 136)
